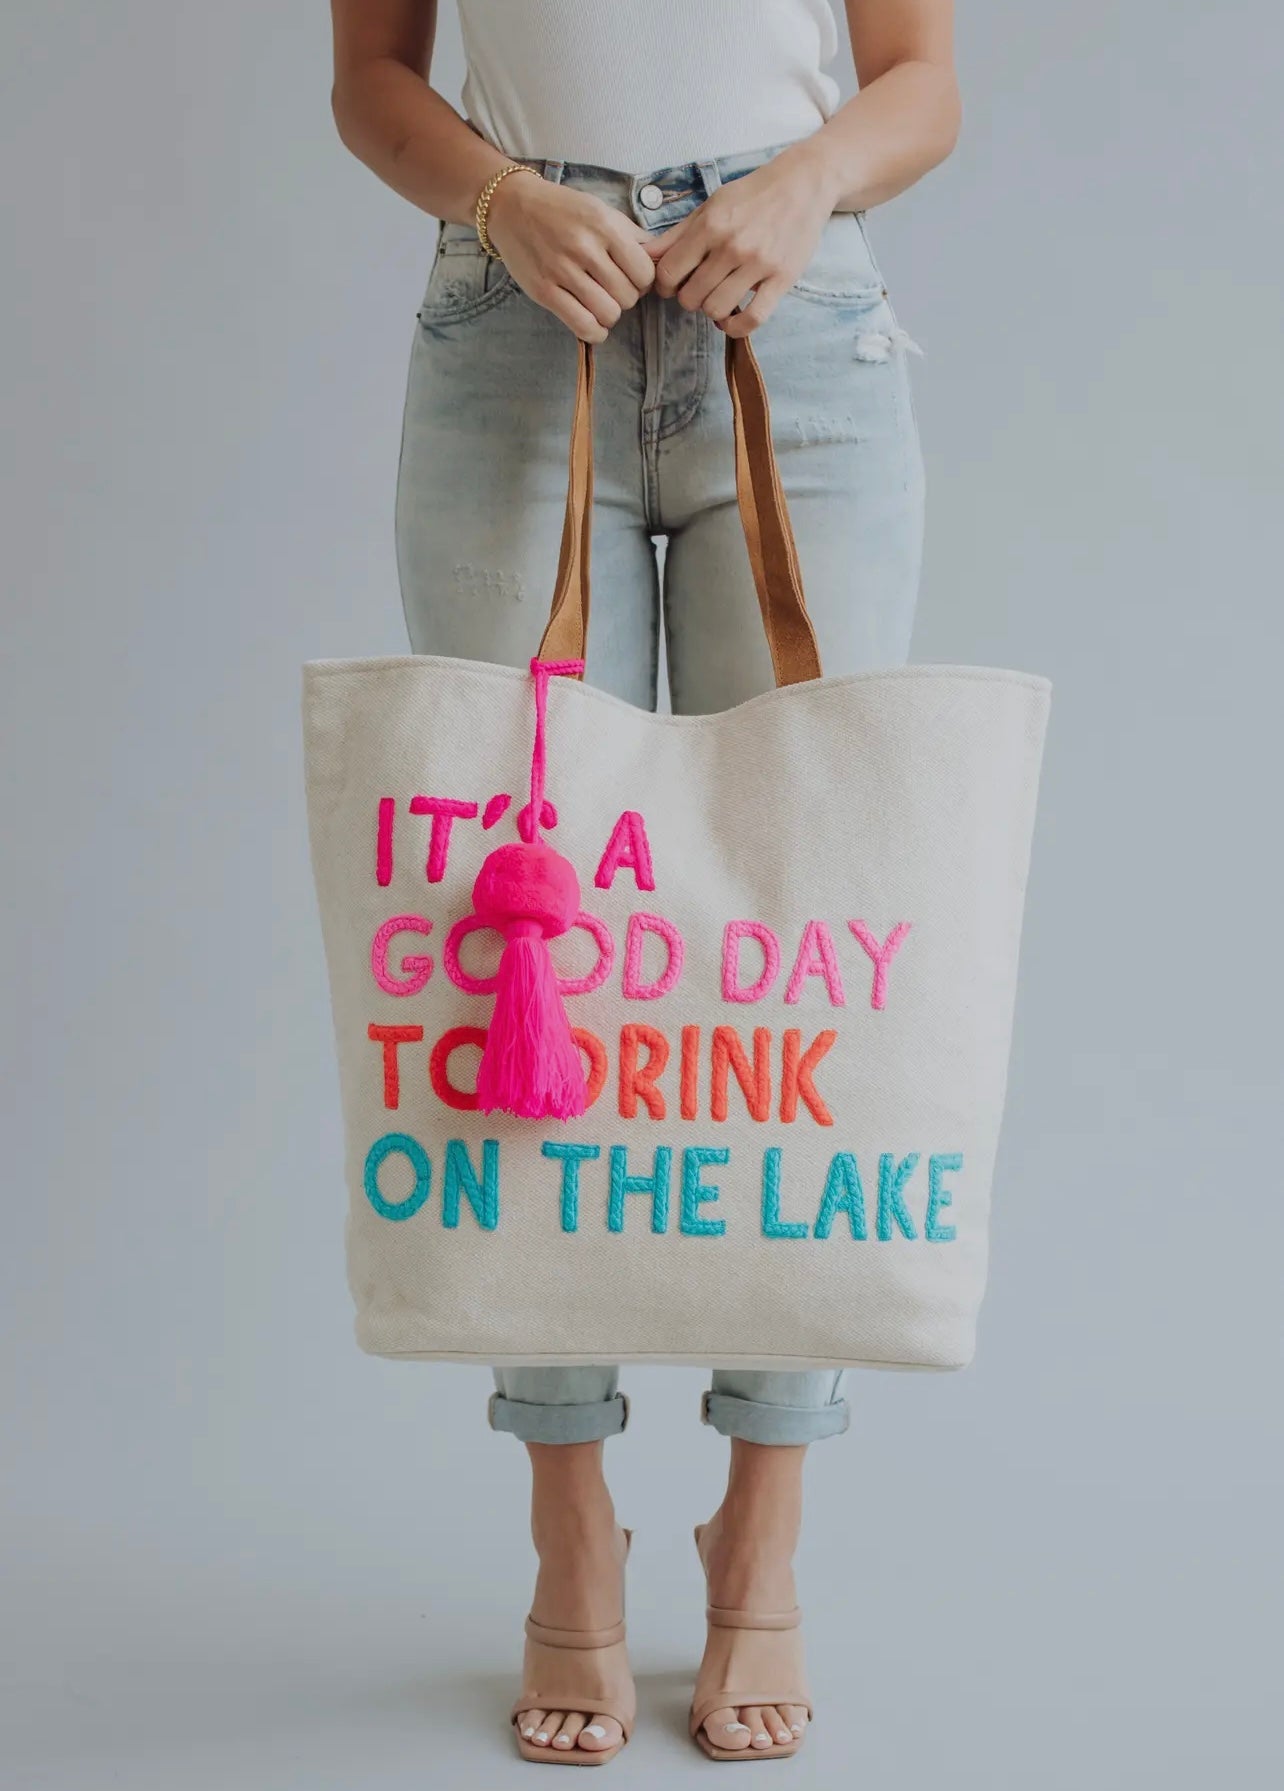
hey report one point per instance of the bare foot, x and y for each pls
(579, 1585)
(747, 1549)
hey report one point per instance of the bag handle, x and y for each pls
(764, 516)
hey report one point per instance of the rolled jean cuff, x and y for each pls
(754, 1422)
(584, 1422)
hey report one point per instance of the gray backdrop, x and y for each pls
(239, 1553)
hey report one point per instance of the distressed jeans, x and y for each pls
(480, 498)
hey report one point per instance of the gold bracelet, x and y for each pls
(486, 195)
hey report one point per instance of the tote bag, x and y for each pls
(791, 980)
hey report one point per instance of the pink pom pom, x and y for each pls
(531, 1065)
(521, 882)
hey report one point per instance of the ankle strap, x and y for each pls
(574, 1638)
(721, 1619)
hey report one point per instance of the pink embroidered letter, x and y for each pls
(415, 970)
(816, 958)
(628, 849)
(640, 925)
(735, 931)
(445, 811)
(383, 841)
(881, 955)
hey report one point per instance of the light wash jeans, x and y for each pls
(480, 499)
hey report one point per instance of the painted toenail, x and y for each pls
(542, 1736)
(797, 1728)
(562, 1741)
(762, 1735)
(735, 1728)
(595, 1729)
(527, 1733)
(782, 1735)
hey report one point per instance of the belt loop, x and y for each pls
(554, 171)
(710, 177)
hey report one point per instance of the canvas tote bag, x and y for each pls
(789, 978)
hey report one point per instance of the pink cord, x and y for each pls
(535, 815)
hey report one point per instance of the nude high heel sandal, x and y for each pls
(740, 1672)
(582, 1670)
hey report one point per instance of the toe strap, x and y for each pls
(738, 1698)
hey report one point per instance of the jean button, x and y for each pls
(651, 196)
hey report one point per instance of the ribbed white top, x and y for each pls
(641, 85)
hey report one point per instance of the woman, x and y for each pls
(644, 177)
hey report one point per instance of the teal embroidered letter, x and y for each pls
(572, 1155)
(695, 1192)
(773, 1226)
(459, 1177)
(417, 1157)
(937, 1197)
(657, 1186)
(844, 1193)
(892, 1177)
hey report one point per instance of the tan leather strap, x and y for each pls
(566, 633)
(764, 516)
(574, 1638)
(746, 1697)
(724, 1619)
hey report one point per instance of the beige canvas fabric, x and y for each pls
(815, 1097)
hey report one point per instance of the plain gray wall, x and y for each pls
(241, 1554)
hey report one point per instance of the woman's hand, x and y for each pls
(570, 252)
(757, 234)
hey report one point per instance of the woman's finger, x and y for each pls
(577, 317)
(683, 252)
(635, 260)
(659, 242)
(594, 297)
(760, 308)
(723, 300)
(612, 278)
(715, 270)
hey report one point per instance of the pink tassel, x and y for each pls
(531, 1065)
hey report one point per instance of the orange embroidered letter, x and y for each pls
(390, 1037)
(638, 1080)
(439, 1067)
(593, 1048)
(729, 1053)
(689, 1087)
(795, 1076)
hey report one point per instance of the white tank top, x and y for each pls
(641, 85)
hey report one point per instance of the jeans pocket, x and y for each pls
(465, 280)
(842, 271)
